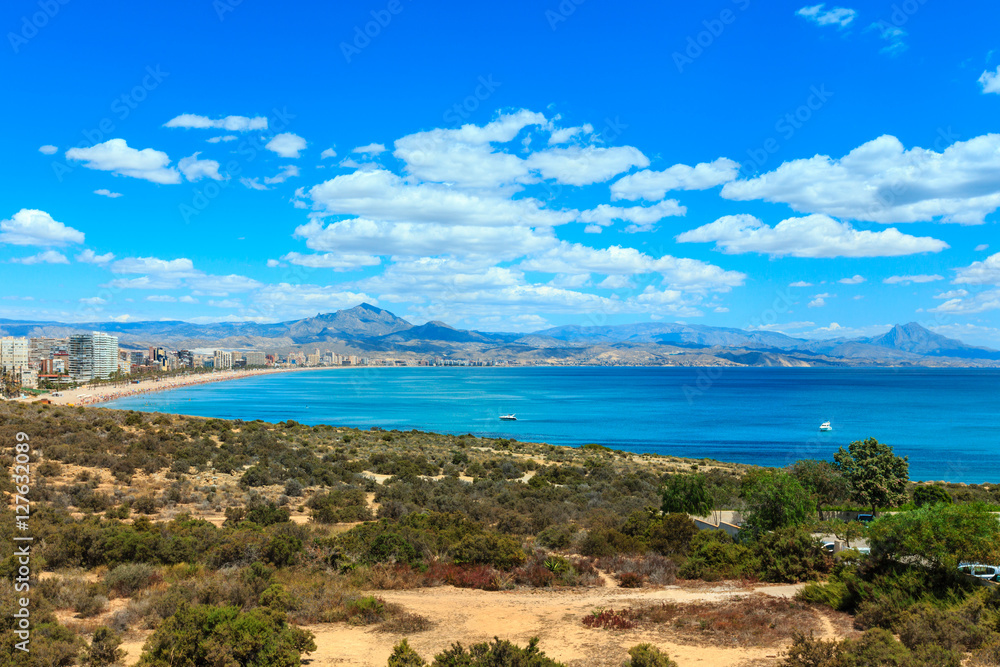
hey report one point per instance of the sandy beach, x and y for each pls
(102, 394)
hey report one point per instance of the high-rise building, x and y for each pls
(185, 358)
(254, 358)
(92, 356)
(222, 360)
(14, 359)
(42, 349)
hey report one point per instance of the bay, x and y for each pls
(944, 420)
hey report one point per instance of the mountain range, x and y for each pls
(368, 330)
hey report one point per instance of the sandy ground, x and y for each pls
(554, 616)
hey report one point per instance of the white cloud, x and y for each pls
(286, 301)
(188, 299)
(47, 257)
(215, 140)
(654, 185)
(335, 261)
(892, 34)
(986, 272)
(226, 303)
(616, 282)
(990, 81)
(288, 171)
(563, 135)
(952, 294)
(93, 301)
(104, 192)
(370, 149)
(88, 256)
(881, 181)
(272, 263)
(161, 298)
(977, 303)
(643, 218)
(811, 236)
(819, 300)
(286, 144)
(691, 274)
(818, 14)
(981, 247)
(228, 123)
(33, 227)
(781, 328)
(800, 283)
(577, 165)
(195, 169)
(855, 280)
(327, 153)
(906, 280)
(114, 155)
(48, 149)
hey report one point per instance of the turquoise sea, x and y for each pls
(946, 420)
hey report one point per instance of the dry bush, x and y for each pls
(650, 568)
(404, 623)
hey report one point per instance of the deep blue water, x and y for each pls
(946, 421)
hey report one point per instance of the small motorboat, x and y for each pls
(508, 418)
(825, 426)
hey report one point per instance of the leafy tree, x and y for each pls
(877, 477)
(939, 535)
(226, 637)
(822, 480)
(790, 555)
(776, 500)
(500, 551)
(686, 494)
(931, 495)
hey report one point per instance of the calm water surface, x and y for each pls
(946, 421)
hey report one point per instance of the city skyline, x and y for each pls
(820, 170)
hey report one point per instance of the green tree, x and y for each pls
(930, 495)
(822, 480)
(776, 500)
(686, 494)
(404, 656)
(877, 477)
(939, 535)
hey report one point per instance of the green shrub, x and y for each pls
(128, 579)
(104, 649)
(500, 551)
(790, 555)
(210, 635)
(499, 653)
(714, 556)
(404, 656)
(647, 655)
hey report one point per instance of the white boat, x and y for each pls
(509, 418)
(825, 426)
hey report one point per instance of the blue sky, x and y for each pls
(822, 170)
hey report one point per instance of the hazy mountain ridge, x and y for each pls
(368, 329)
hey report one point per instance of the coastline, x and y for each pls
(97, 395)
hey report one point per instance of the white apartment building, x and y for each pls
(222, 360)
(92, 356)
(14, 352)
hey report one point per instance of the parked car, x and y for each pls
(866, 518)
(980, 571)
(828, 547)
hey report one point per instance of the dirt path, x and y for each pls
(554, 616)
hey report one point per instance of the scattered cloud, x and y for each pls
(576, 165)
(989, 81)
(104, 192)
(985, 272)
(906, 280)
(893, 35)
(811, 236)
(161, 298)
(643, 218)
(195, 169)
(48, 149)
(93, 301)
(287, 171)
(228, 123)
(46, 257)
(286, 144)
(818, 14)
(88, 256)
(225, 138)
(952, 294)
(335, 261)
(971, 305)
(253, 183)
(654, 185)
(33, 227)
(328, 153)
(981, 247)
(116, 156)
(819, 300)
(881, 181)
(800, 283)
(855, 280)
(370, 149)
